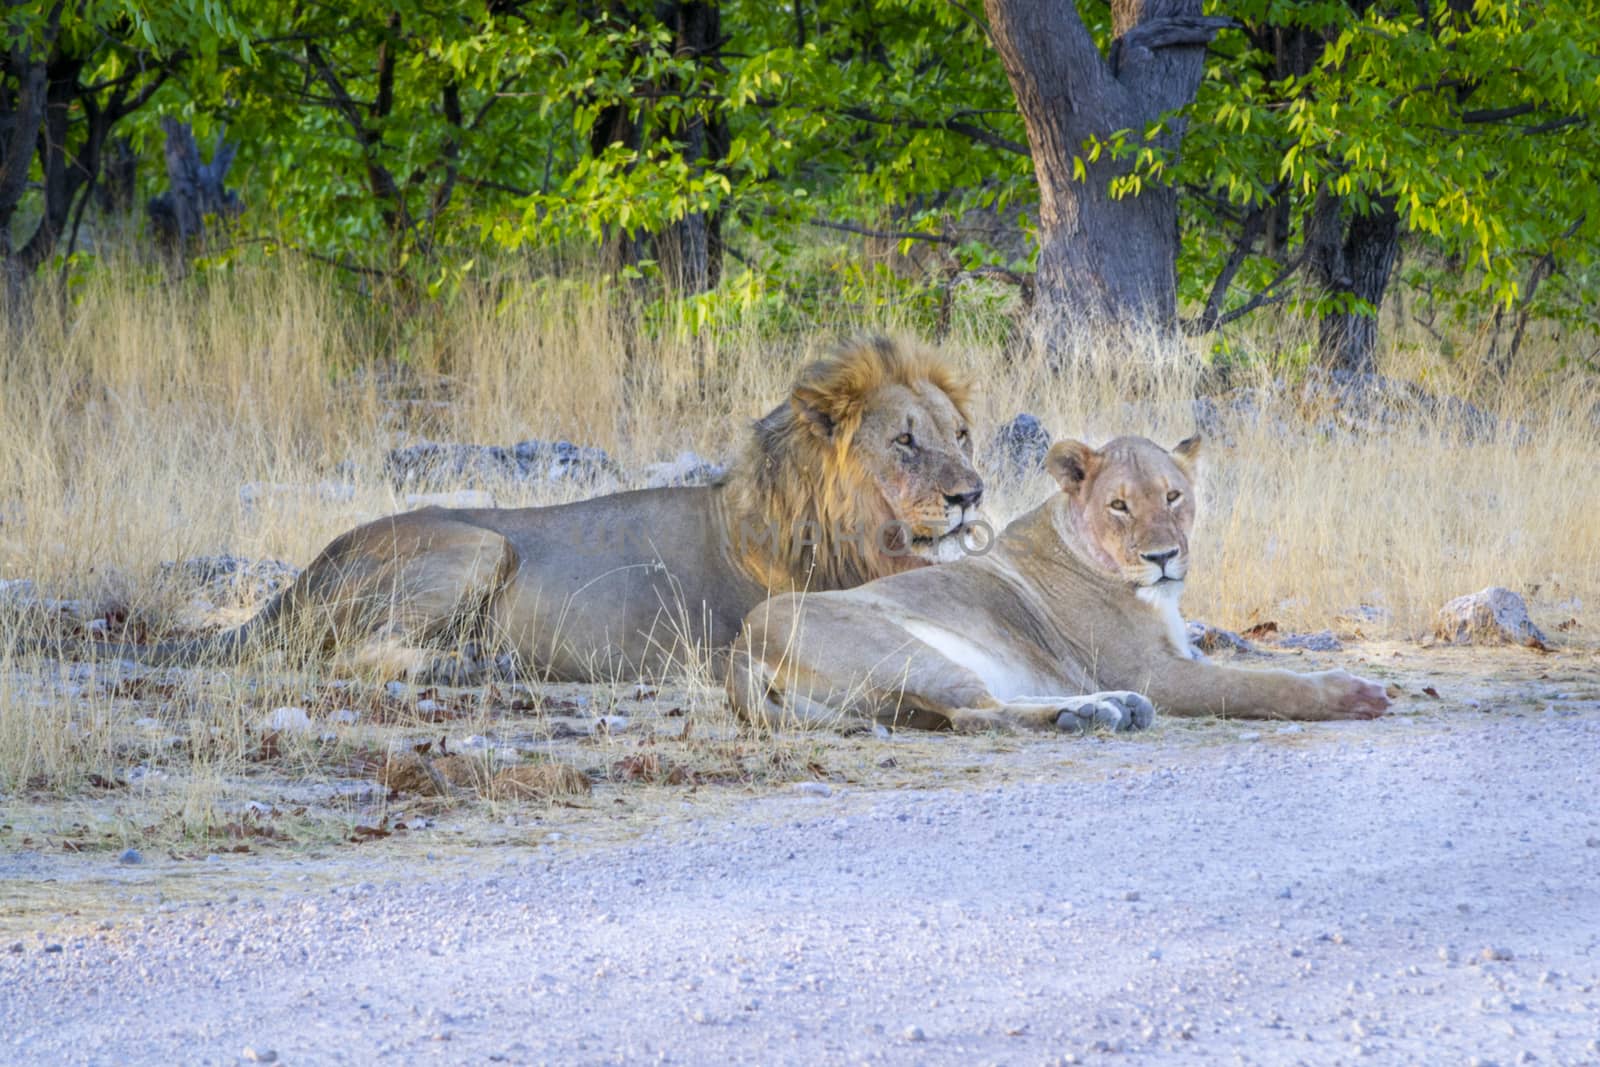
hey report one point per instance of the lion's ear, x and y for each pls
(1070, 463)
(816, 409)
(1187, 454)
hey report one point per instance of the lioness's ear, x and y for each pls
(1070, 463)
(1187, 454)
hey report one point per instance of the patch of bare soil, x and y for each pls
(325, 778)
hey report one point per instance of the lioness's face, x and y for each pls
(1133, 504)
(917, 448)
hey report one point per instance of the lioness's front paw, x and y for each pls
(1118, 711)
(1350, 697)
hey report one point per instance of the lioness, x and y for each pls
(865, 470)
(1076, 596)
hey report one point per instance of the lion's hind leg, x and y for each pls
(403, 596)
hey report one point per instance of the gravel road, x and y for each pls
(1393, 892)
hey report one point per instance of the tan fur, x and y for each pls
(1076, 597)
(630, 583)
(807, 469)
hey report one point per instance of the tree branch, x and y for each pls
(1266, 297)
(966, 129)
(892, 235)
(1172, 31)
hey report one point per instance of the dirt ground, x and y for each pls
(1419, 887)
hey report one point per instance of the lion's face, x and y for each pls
(901, 437)
(1132, 503)
(917, 449)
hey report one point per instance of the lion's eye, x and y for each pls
(1173, 496)
(1120, 505)
(905, 440)
(961, 435)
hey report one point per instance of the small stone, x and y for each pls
(16, 946)
(1592, 842)
(54, 948)
(429, 706)
(609, 724)
(813, 789)
(1448, 954)
(1496, 953)
(1286, 893)
(1250, 735)
(254, 1055)
(131, 857)
(289, 720)
(1321, 641)
(1209, 638)
(1019, 446)
(914, 1033)
(1292, 728)
(1131, 895)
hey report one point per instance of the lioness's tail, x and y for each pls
(220, 649)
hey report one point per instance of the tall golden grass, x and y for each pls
(130, 423)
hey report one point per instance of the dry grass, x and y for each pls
(128, 429)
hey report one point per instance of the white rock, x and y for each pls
(813, 789)
(1488, 617)
(288, 720)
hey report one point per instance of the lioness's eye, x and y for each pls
(961, 434)
(904, 439)
(1173, 495)
(1119, 505)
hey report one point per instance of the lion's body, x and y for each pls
(1058, 625)
(626, 585)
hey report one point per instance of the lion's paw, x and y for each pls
(1117, 711)
(1349, 697)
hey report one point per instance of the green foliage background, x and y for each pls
(412, 139)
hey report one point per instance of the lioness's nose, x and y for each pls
(1160, 559)
(965, 500)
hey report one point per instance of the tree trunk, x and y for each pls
(1351, 259)
(197, 190)
(690, 250)
(1101, 258)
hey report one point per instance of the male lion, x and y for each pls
(865, 470)
(1076, 596)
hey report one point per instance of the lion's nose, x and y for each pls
(1160, 559)
(969, 499)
